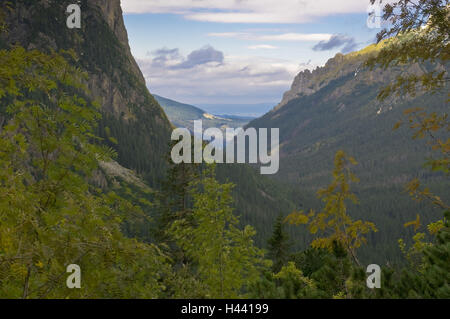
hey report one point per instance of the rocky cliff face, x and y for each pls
(103, 88)
(309, 82)
(130, 113)
(113, 15)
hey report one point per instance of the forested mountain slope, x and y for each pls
(132, 123)
(335, 107)
(131, 116)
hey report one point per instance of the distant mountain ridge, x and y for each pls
(254, 110)
(184, 115)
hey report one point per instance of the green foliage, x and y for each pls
(437, 267)
(314, 273)
(421, 35)
(137, 123)
(429, 274)
(137, 131)
(52, 214)
(333, 273)
(343, 116)
(288, 283)
(279, 245)
(50, 217)
(417, 34)
(405, 17)
(333, 220)
(428, 277)
(226, 260)
(174, 199)
(257, 198)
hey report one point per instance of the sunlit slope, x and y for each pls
(336, 107)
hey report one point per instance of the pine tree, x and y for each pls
(434, 280)
(174, 199)
(333, 220)
(288, 283)
(225, 258)
(279, 245)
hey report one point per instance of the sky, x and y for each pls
(235, 52)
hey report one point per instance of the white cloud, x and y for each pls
(237, 78)
(296, 37)
(248, 11)
(293, 37)
(263, 47)
(239, 35)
